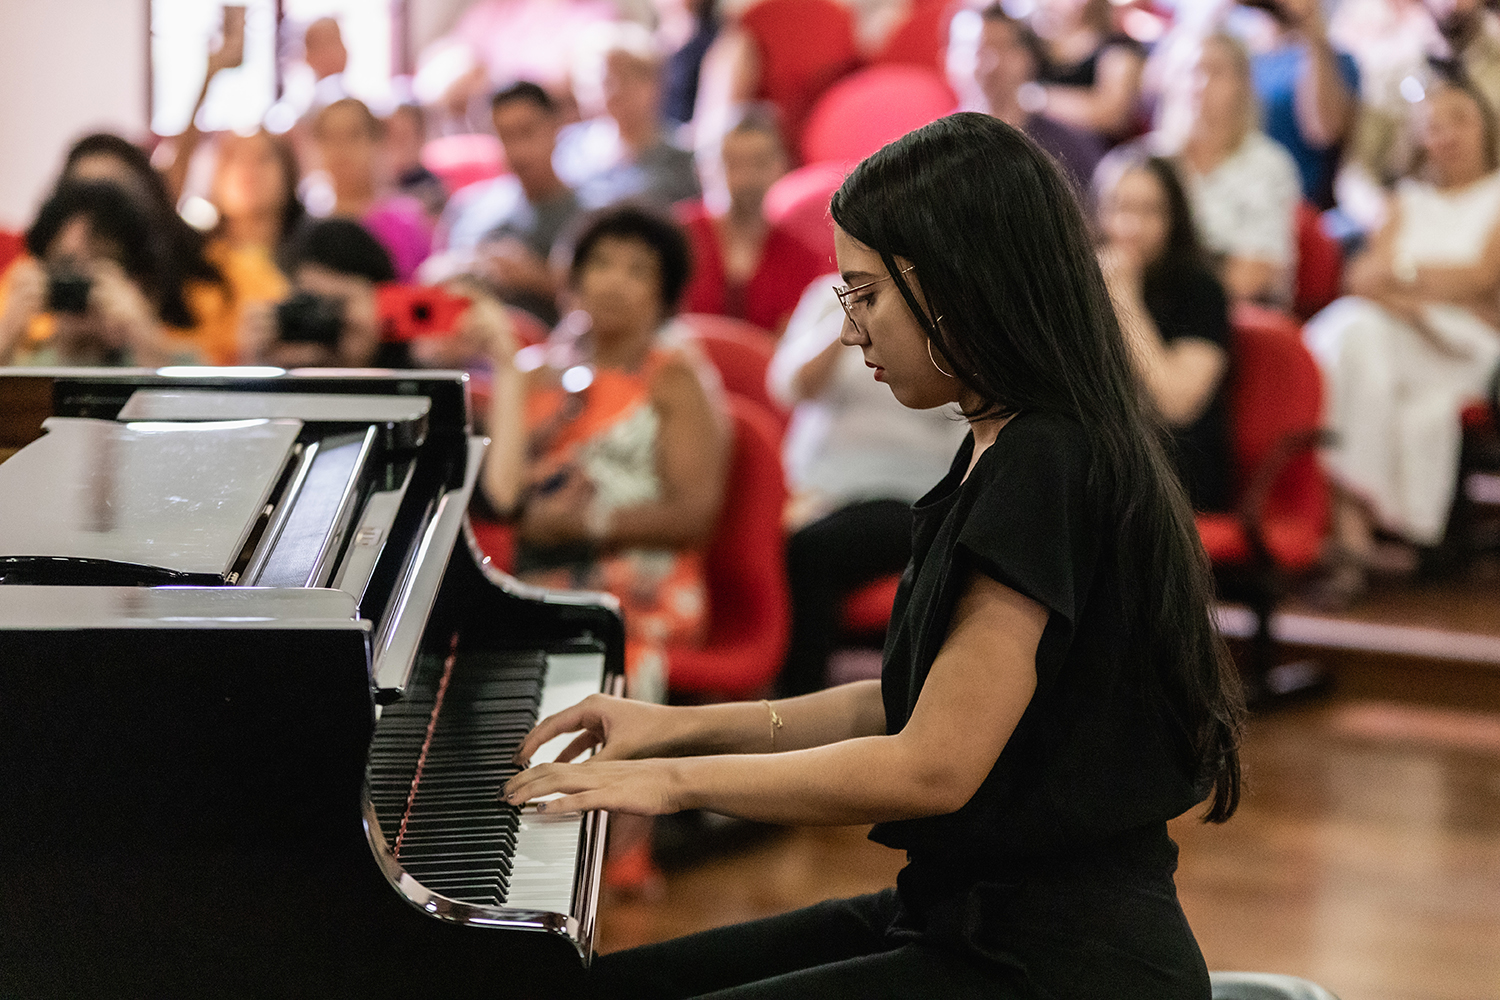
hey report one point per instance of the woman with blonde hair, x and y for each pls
(1243, 185)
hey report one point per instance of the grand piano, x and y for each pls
(258, 691)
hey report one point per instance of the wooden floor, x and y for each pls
(1366, 855)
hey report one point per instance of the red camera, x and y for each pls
(407, 312)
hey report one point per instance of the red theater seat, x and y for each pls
(798, 202)
(803, 46)
(920, 40)
(749, 610)
(741, 352)
(1320, 263)
(1282, 497)
(867, 109)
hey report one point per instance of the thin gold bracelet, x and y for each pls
(776, 722)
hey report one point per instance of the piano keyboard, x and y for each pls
(439, 758)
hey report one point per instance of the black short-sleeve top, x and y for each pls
(1190, 302)
(1095, 754)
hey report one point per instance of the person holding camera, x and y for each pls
(331, 319)
(345, 310)
(92, 289)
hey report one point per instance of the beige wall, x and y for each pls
(66, 67)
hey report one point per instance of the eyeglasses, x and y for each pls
(862, 305)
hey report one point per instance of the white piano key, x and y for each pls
(545, 864)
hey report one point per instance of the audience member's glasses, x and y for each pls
(860, 305)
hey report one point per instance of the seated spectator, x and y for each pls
(742, 265)
(92, 289)
(686, 29)
(856, 460)
(610, 451)
(1091, 75)
(1243, 186)
(254, 189)
(624, 152)
(504, 229)
(347, 137)
(1419, 334)
(1395, 44)
(331, 319)
(1309, 92)
(405, 135)
(1005, 63)
(1175, 317)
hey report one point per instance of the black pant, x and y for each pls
(832, 950)
(826, 561)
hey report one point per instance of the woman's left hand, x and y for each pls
(640, 787)
(561, 514)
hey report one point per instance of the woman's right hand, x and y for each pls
(617, 728)
(25, 300)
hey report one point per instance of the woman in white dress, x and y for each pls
(1418, 336)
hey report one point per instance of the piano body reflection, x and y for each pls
(258, 691)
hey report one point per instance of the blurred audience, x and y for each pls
(505, 229)
(1175, 317)
(624, 152)
(1243, 186)
(348, 141)
(1091, 73)
(525, 39)
(1395, 42)
(1006, 57)
(1419, 335)
(331, 319)
(1309, 92)
(855, 462)
(96, 286)
(405, 135)
(254, 189)
(686, 29)
(743, 266)
(318, 80)
(611, 444)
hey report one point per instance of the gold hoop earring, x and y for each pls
(934, 360)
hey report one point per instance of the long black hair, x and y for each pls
(186, 258)
(1183, 254)
(115, 219)
(1004, 258)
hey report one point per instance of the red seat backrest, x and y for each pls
(461, 160)
(922, 39)
(742, 353)
(1276, 390)
(749, 613)
(868, 109)
(804, 45)
(1320, 263)
(12, 247)
(798, 203)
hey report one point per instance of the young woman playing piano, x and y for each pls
(1053, 690)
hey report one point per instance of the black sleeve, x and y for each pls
(1033, 524)
(1190, 305)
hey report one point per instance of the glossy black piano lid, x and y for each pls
(175, 500)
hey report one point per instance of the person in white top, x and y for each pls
(1244, 187)
(855, 461)
(1419, 335)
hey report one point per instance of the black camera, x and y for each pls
(68, 291)
(306, 318)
